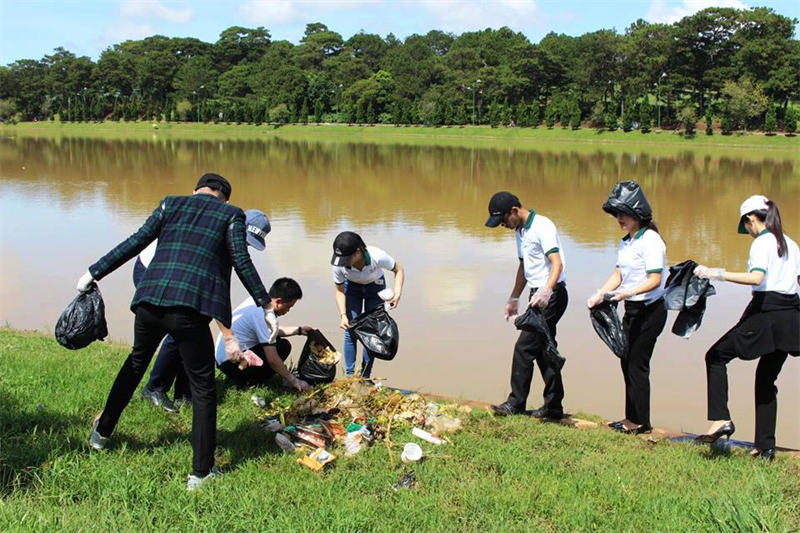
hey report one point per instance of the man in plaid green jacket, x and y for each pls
(200, 238)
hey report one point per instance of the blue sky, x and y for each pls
(29, 29)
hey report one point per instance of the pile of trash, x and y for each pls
(351, 414)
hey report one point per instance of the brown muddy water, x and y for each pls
(66, 201)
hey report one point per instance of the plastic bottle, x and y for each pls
(427, 437)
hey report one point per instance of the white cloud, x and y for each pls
(288, 11)
(155, 9)
(662, 11)
(122, 31)
(460, 16)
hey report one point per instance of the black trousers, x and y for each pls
(190, 330)
(167, 369)
(769, 367)
(642, 324)
(256, 375)
(530, 348)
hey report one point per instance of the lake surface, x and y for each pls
(64, 202)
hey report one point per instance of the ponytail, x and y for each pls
(771, 218)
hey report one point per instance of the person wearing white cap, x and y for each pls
(769, 329)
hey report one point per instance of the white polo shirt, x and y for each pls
(249, 326)
(376, 260)
(780, 273)
(535, 241)
(638, 257)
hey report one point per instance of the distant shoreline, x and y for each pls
(469, 136)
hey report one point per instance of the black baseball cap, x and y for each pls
(344, 246)
(499, 206)
(216, 182)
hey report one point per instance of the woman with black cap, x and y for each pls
(358, 274)
(769, 328)
(639, 280)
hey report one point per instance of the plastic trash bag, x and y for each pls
(608, 326)
(378, 332)
(533, 321)
(628, 198)
(83, 321)
(309, 367)
(687, 294)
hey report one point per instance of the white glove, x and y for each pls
(512, 308)
(272, 321)
(595, 299)
(541, 298)
(703, 272)
(85, 282)
(232, 349)
(249, 358)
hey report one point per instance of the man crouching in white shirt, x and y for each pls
(250, 332)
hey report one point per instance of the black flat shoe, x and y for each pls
(766, 455)
(616, 424)
(505, 409)
(710, 438)
(545, 414)
(639, 430)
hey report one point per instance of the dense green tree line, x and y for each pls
(736, 67)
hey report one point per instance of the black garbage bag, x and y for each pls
(309, 367)
(686, 293)
(378, 332)
(533, 321)
(628, 198)
(83, 321)
(608, 326)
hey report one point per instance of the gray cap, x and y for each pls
(258, 227)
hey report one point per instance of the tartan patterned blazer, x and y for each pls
(200, 239)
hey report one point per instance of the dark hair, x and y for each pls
(286, 289)
(771, 218)
(649, 224)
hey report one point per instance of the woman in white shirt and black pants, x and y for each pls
(769, 328)
(638, 279)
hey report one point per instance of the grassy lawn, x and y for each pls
(497, 474)
(476, 136)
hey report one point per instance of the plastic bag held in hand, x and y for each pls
(272, 321)
(703, 272)
(541, 298)
(85, 282)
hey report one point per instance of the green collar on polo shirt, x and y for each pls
(636, 236)
(764, 232)
(367, 258)
(530, 218)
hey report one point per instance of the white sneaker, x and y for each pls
(194, 482)
(96, 440)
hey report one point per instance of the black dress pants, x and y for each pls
(769, 366)
(256, 375)
(530, 347)
(643, 323)
(190, 330)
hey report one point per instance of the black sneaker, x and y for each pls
(180, 403)
(545, 414)
(505, 409)
(159, 399)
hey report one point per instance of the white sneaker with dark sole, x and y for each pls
(195, 482)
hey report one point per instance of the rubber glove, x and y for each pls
(618, 296)
(232, 349)
(299, 384)
(249, 358)
(703, 272)
(512, 308)
(272, 321)
(541, 298)
(595, 299)
(85, 282)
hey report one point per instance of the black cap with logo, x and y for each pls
(344, 246)
(216, 182)
(499, 206)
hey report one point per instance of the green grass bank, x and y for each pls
(496, 475)
(470, 136)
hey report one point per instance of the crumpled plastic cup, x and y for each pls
(412, 453)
